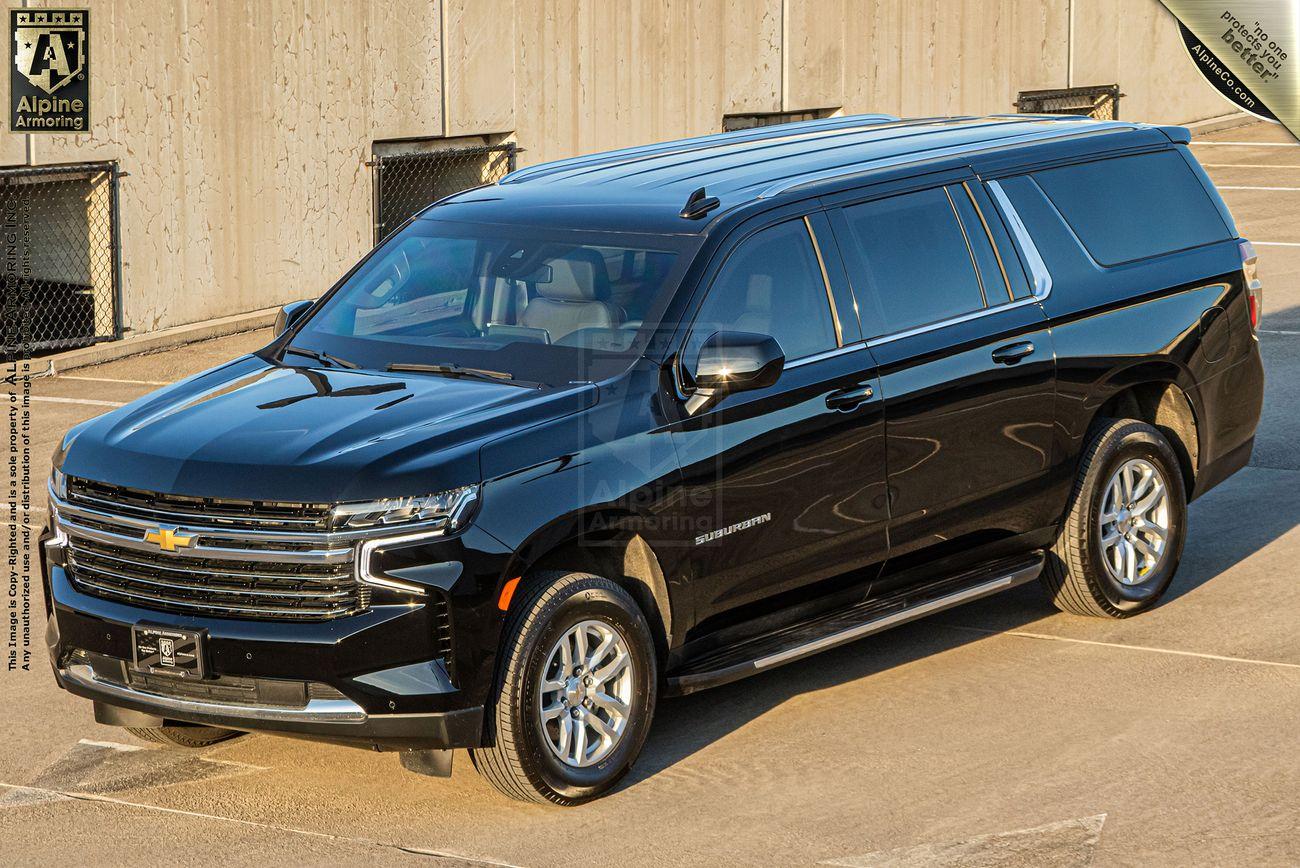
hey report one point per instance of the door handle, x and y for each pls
(847, 399)
(1012, 353)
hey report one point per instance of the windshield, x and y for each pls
(548, 306)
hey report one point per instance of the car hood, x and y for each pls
(256, 430)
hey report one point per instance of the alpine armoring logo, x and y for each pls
(1217, 73)
(49, 78)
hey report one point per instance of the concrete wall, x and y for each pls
(245, 124)
(244, 127)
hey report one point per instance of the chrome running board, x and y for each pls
(838, 628)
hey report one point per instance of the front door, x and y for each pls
(784, 485)
(967, 374)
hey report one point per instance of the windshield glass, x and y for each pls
(547, 306)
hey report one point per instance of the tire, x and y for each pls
(521, 757)
(183, 736)
(1084, 574)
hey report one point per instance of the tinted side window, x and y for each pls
(912, 257)
(1128, 208)
(771, 284)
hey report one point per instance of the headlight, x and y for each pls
(59, 484)
(449, 506)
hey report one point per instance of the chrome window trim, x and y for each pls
(970, 249)
(954, 320)
(988, 233)
(1042, 277)
(826, 282)
(828, 354)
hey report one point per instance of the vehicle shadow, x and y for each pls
(1227, 527)
(687, 724)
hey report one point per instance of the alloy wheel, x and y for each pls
(585, 694)
(1134, 521)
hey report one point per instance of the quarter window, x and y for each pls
(913, 260)
(1128, 208)
(771, 284)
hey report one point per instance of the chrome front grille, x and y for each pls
(239, 559)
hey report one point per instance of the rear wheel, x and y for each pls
(1122, 537)
(183, 736)
(575, 694)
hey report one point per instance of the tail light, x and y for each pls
(1254, 289)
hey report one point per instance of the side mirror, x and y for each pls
(290, 314)
(735, 362)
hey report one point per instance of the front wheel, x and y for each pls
(1122, 537)
(575, 693)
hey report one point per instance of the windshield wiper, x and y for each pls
(321, 357)
(458, 371)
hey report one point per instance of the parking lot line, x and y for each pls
(1250, 144)
(1199, 654)
(1276, 243)
(1291, 189)
(51, 400)
(113, 380)
(1250, 166)
(91, 797)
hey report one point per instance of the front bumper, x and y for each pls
(337, 720)
(374, 679)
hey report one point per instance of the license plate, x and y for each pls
(168, 651)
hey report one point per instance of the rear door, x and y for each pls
(783, 485)
(967, 374)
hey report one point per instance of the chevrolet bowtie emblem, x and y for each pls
(168, 538)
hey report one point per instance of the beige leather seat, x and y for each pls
(575, 298)
(757, 316)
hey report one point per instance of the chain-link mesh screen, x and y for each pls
(1099, 103)
(770, 119)
(59, 271)
(406, 183)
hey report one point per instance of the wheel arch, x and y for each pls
(1157, 398)
(606, 542)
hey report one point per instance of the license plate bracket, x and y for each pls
(168, 651)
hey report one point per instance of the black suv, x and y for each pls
(649, 421)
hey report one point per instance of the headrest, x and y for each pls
(759, 294)
(578, 276)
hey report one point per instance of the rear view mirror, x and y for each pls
(735, 362)
(290, 314)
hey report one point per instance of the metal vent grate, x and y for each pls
(1099, 102)
(62, 276)
(407, 183)
(769, 119)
